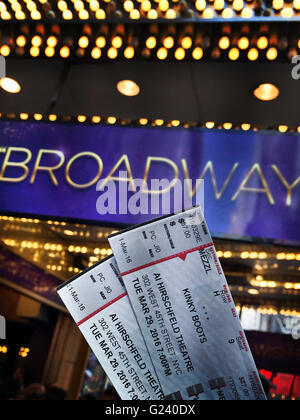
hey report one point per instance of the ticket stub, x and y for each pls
(99, 304)
(185, 310)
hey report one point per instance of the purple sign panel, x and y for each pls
(251, 179)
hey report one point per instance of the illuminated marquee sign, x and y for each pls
(251, 180)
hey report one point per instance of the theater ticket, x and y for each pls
(185, 310)
(98, 302)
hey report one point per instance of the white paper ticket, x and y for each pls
(99, 304)
(185, 310)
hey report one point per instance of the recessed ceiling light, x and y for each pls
(266, 92)
(128, 88)
(10, 85)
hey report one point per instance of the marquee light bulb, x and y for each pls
(128, 88)
(21, 41)
(266, 92)
(100, 42)
(168, 42)
(224, 43)
(10, 85)
(262, 43)
(197, 53)
(151, 42)
(162, 53)
(117, 41)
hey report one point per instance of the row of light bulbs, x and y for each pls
(252, 255)
(113, 120)
(269, 310)
(135, 10)
(166, 48)
(260, 255)
(259, 281)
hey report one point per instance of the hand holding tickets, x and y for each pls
(180, 312)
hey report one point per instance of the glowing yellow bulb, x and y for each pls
(272, 54)
(171, 14)
(243, 43)
(162, 53)
(31, 6)
(152, 14)
(62, 5)
(163, 5)
(175, 123)
(159, 122)
(10, 85)
(234, 54)
(35, 15)
(219, 5)
(111, 120)
(20, 15)
(296, 4)
(180, 54)
(238, 5)
(49, 52)
(117, 42)
(168, 42)
(143, 121)
(100, 42)
(38, 117)
(278, 4)
(112, 53)
(24, 116)
(81, 118)
(36, 41)
(227, 13)
(151, 42)
(247, 13)
(287, 12)
(96, 119)
(128, 6)
(5, 50)
(78, 5)
(227, 126)
(94, 5)
(83, 41)
(200, 5)
(245, 127)
(67, 15)
(146, 5)
(96, 53)
(135, 14)
(5, 15)
(64, 52)
(187, 42)
(52, 117)
(34, 51)
(129, 53)
(208, 13)
(262, 42)
(197, 53)
(100, 14)
(283, 128)
(52, 41)
(83, 15)
(253, 54)
(209, 125)
(224, 43)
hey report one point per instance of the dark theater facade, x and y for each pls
(209, 95)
